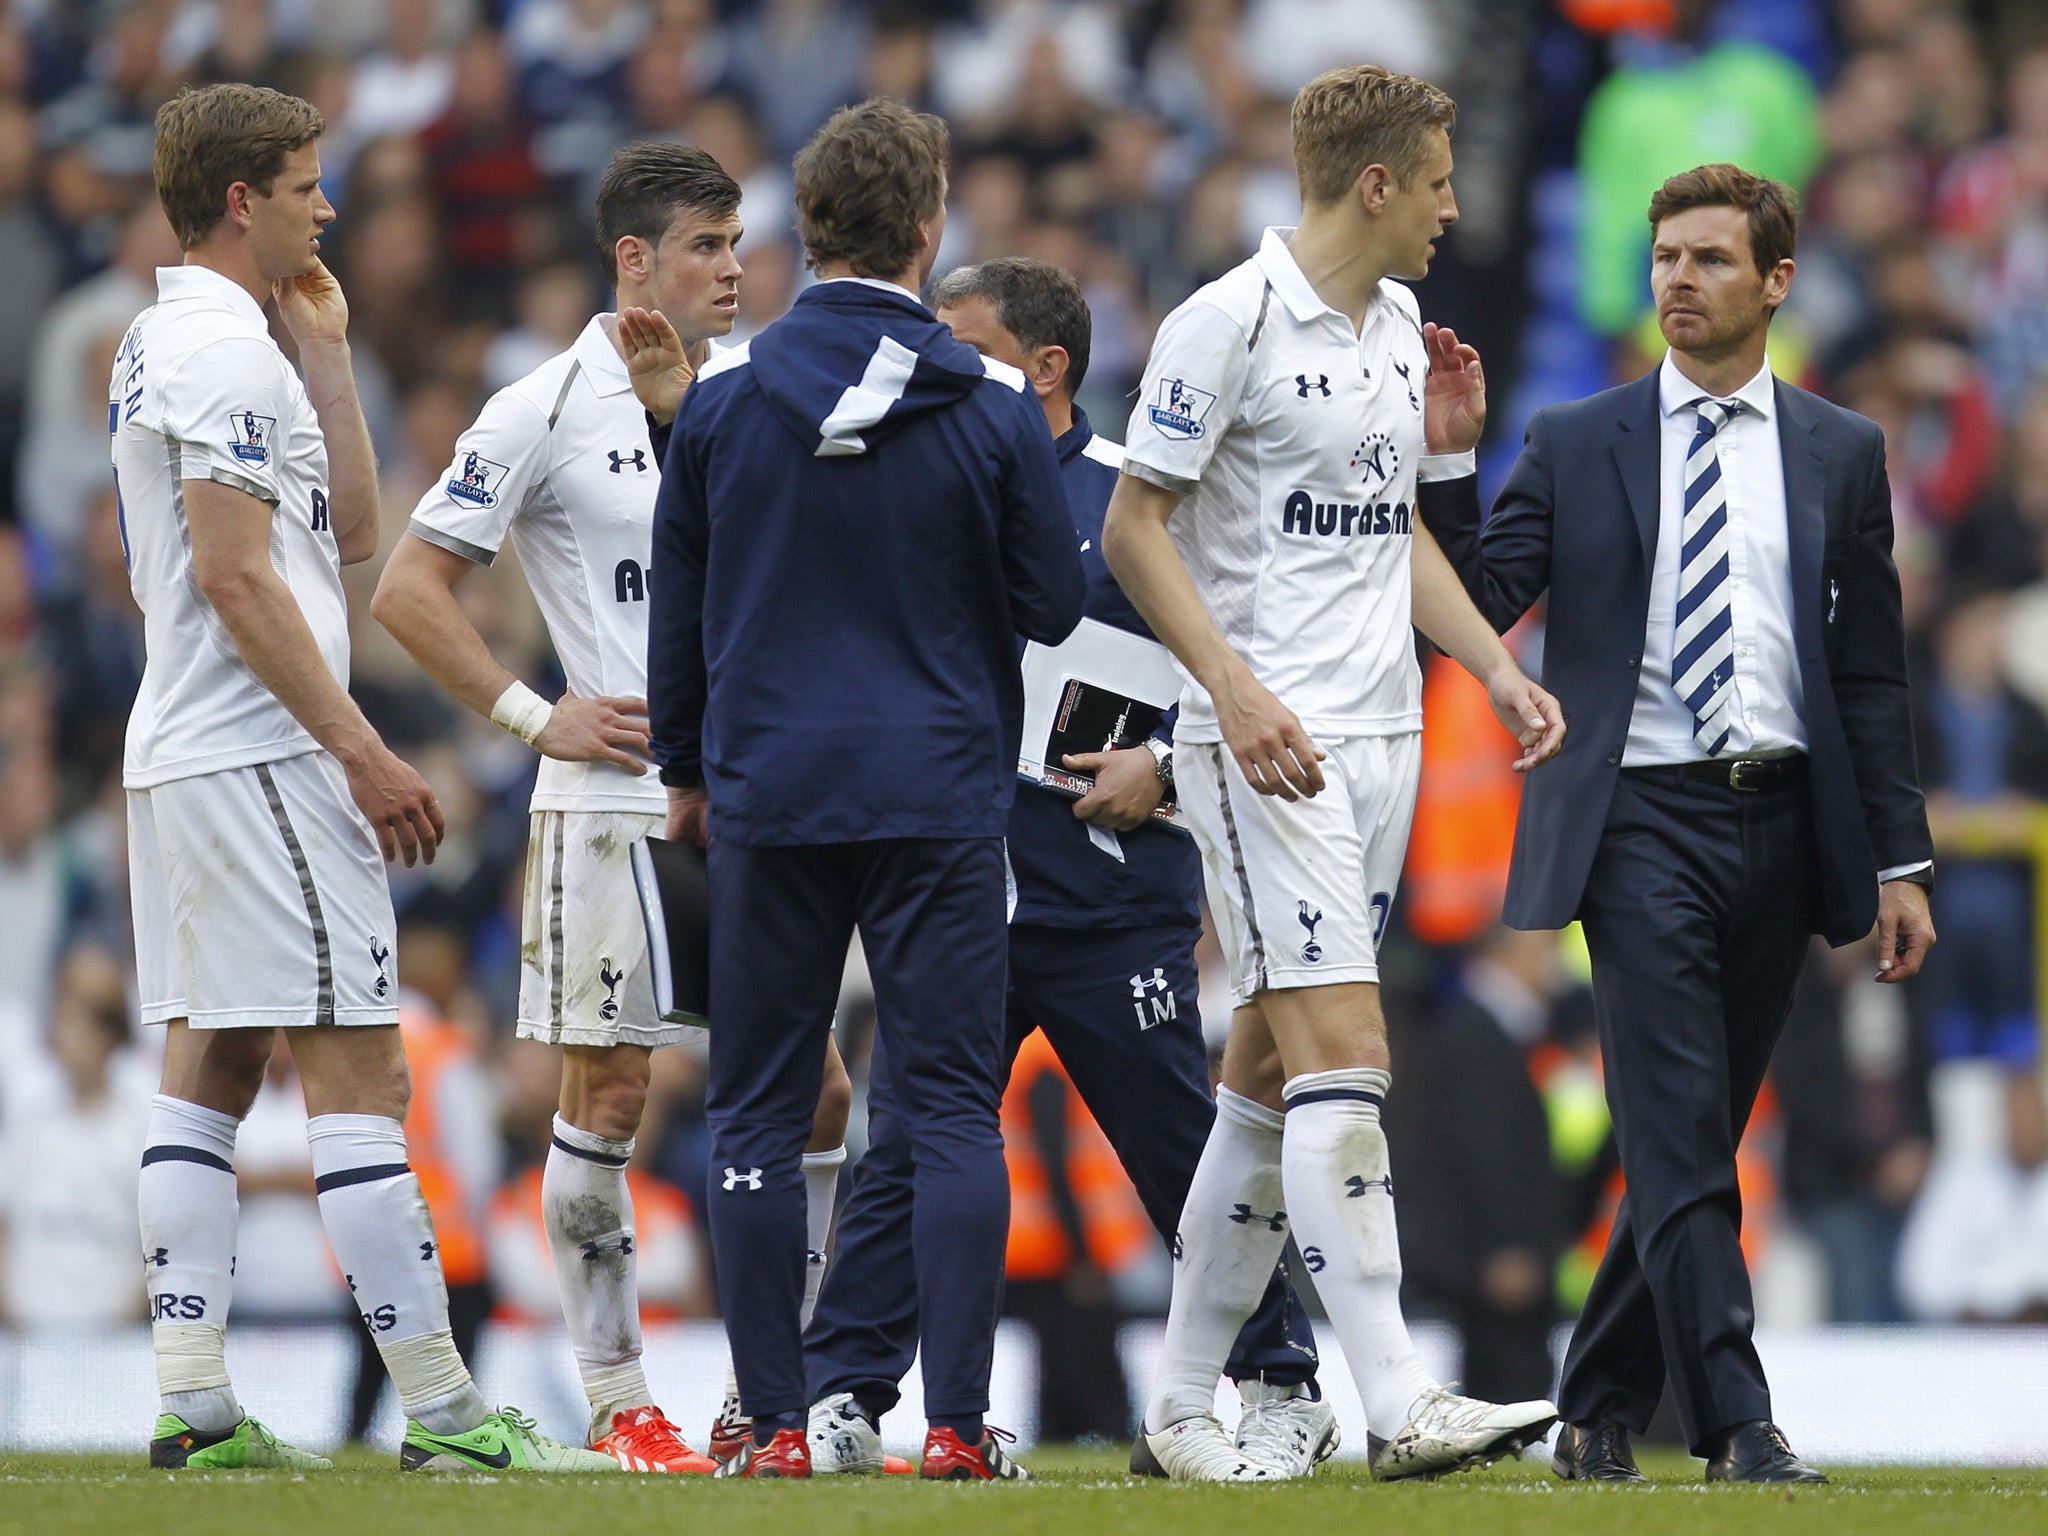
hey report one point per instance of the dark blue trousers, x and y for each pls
(1120, 1008)
(1698, 914)
(931, 918)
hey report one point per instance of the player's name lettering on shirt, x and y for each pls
(1303, 514)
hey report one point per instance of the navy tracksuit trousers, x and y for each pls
(1120, 1007)
(931, 919)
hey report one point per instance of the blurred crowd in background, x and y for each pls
(1898, 1168)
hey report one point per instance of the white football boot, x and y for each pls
(1197, 1451)
(1449, 1433)
(842, 1440)
(1286, 1427)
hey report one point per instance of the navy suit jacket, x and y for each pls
(1579, 518)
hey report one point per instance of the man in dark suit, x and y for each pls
(1726, 638)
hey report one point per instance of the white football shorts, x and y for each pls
(583, 975)
(1300, 891)
(260, 899)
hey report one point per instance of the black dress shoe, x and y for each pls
(1596, 1452)
(1756, 1452)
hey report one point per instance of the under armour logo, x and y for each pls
(1244, 1216)
(427, 1252)
(623, 1247)
(1179, 1248)
(609, 1009)
(1303, 386)
(160, 1258)
(1156, 982)
(1311, 951)
(351, 1279)
(638, 460)
(1313, 1258)
(814, 1258)
(1358, 1184)
(1834, 598)
(734, 1178)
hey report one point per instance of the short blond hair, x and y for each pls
(210, 137)
(1346, 119)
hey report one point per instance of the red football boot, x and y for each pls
(644, 1441)
(946, 1457)
(731, 1432)
(787, 1455)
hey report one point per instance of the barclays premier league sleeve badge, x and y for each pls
(476, 480)
(250, 435)
(1179, 408)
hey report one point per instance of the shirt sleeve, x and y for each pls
(497, 464)
(229, 409)
(1192, 394)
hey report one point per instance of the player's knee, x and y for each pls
(835, 1107)
(232, 1074)
(604, 1091)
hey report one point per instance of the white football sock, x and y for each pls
(1341, 1196)
(185, 1197)
(1231, 1233)
(589, 1215)
(821, 1187)
(378, 1226)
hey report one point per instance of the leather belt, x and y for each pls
(1751, 775)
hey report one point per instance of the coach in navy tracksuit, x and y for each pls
(858, 515)
(1101, 945)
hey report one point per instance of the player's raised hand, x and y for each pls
(398, 802)
(1454, 400)
(656, 361)
(597, 731)
(1530, 715)
(1127, 788)
(312, 305)
(1273, 751)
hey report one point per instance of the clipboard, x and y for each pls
(1100, 689)
(675, 903)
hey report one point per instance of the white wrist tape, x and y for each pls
(522, 712)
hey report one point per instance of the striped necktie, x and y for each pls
(1703, 646)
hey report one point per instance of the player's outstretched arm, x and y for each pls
(656, 361)
(1444, 612)
(231, 562)
(1272, 750)
(316, 314)
(416, 601)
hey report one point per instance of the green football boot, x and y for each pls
(177, 1444)
(507, 1441)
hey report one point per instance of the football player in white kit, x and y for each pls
(262, 806)
(1265, 527)
(561, 461)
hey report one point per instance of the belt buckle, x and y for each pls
(1736, 776)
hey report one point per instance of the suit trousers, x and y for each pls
(931, 919)
(1698, 914)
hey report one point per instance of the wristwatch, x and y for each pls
(1162, 761)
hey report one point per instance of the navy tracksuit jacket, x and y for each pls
(1102, 959)
(857, 518)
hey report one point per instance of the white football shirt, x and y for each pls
(560, 461)
(201, 392)
(1296, 440)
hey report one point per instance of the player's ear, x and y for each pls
(634, 256)
(240, 195)
(1048, 369)
(1374, 183)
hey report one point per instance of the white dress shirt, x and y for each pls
(1769, 711)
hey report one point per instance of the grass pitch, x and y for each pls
(1079, 1493)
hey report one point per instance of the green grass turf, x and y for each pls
(1080, 1493)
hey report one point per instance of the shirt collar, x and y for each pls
(1675, 392)
(1075, 438)
(599, 356)
(894, 290)
(192, 281)
(1277, 262)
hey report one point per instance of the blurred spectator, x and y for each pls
(71, 1137)
(1677, 103)
(483, 177)
(284, 1271)
(1482, 1213)
(1287, 43)
(93, 634)
(798, 61)
(408, 82)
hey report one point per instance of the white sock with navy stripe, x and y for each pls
(185, 1197)
(821, 1191)
(1231, 1232)
(1340, 1195)
(588, 1211)
(378, 1226)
